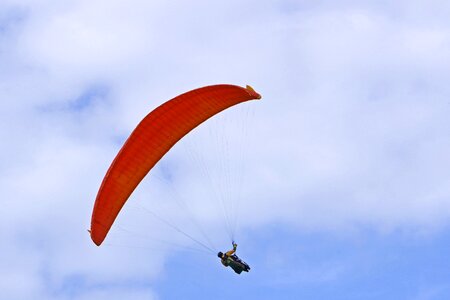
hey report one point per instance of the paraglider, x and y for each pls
(230, 259)
(154, 136)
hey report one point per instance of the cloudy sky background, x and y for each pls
(347, 181)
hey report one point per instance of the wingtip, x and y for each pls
(253, 92)
(92, 238)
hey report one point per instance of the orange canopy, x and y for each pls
(153, 137)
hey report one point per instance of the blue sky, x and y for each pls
(344, 162)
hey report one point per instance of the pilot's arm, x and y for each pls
(231, 252)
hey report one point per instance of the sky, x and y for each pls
(338, 178)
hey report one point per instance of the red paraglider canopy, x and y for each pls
(153, 137)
